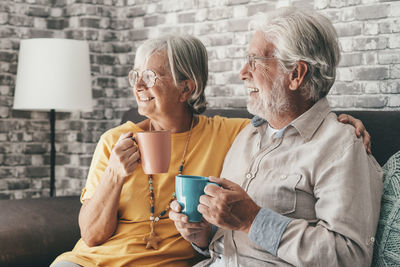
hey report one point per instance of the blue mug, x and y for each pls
(188, 189)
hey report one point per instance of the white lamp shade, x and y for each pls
(53, 74)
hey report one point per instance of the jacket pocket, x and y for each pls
(283, 192)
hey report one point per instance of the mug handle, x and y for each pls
(133, 138)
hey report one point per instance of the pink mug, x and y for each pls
(155, 151)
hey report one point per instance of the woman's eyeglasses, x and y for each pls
(149, 78)
(251, 60)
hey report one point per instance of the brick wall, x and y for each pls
(25, 136)
(367, 78)
(369, 72)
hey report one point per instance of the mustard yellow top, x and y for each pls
(211, 138)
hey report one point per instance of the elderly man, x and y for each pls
(299, 187)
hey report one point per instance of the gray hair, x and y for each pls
(307, 36)
(187, 60)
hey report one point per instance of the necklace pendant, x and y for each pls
(152, 240)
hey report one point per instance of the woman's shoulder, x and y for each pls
(222, 126)
(113, 134)
(224, 121)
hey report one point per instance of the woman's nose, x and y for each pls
(140, 84)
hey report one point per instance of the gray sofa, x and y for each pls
(34, 231)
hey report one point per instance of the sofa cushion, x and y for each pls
(387, 243)
(33, 232)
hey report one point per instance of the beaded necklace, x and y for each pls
(152, 239)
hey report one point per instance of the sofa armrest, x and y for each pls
(35, 231)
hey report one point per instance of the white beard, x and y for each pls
(269, 103)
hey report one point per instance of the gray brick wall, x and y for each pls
(368, 77)
(369, 33)
(24, 135)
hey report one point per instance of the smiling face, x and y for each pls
(266, 81)
(162, 99)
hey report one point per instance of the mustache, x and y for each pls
(249, 84)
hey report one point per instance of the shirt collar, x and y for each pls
(306, 124)
(257, 121)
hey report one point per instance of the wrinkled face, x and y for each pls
(265, 81)
(163, 96)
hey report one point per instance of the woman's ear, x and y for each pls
(188, 89)
(298, 75)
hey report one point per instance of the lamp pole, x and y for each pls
(52, 152)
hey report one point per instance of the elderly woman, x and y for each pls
(123, 219)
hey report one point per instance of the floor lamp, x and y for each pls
(53, 74)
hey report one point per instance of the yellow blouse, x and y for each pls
(211, 138)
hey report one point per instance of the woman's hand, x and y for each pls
(360, 129)
(124, 157)
(197, 233)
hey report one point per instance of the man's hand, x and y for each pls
(229, 206)
(124, 157)
(360, 129)
(197, 233)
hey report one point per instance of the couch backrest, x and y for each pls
(384, 127)
(33, 232)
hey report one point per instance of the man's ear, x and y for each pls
(188, 87)
(298, 75)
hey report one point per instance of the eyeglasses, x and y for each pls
(149, 78)
(251, 60)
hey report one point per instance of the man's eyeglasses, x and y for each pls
(251, 60)
(149, 78)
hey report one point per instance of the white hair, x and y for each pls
(187, 60)
(303, 35)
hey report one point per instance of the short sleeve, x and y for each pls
(97, 168)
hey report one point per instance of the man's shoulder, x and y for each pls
(338, 130)
(335, 136)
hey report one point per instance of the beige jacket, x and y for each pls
(317, 173)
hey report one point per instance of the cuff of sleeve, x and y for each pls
(206, 251)
(267, 229)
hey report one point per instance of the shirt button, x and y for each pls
(371, 241)
(249, 175)
(283, 177)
